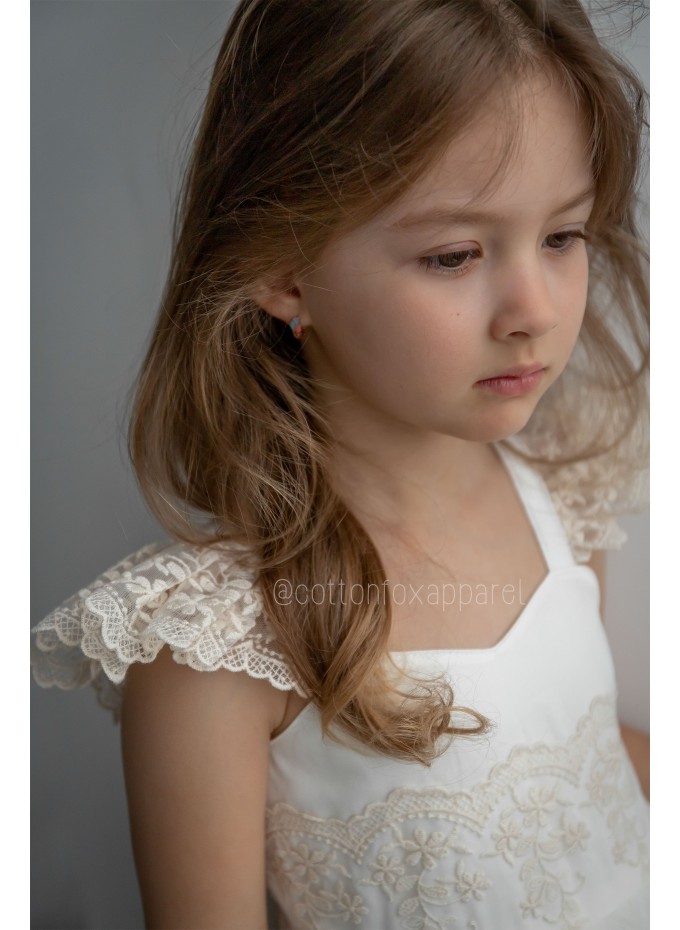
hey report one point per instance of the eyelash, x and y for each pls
(571, 236)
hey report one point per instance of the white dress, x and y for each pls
(541, 823)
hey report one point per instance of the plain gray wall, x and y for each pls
(116, 87)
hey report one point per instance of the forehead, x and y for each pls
(527, 151)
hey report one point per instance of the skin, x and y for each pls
(196, 807)
(402, 321)
(396, 350)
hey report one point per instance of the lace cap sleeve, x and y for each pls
(592, 494)
(589, 498)
(200, 601)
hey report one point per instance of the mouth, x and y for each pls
(515, 381)
(519, 371)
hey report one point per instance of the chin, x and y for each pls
(501, 424)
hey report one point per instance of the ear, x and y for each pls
(281, 302)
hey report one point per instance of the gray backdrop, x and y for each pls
(116, 87)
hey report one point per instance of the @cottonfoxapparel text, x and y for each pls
(444, 595)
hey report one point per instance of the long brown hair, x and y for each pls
(320, 114)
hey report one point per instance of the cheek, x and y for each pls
(354, 345)
(351, 315)
(573, 290)
(408, 323)
(390, 336)
(354, 310)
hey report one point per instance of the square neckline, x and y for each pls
(553, 543)
(514, 469)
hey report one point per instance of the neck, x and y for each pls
(400, 479)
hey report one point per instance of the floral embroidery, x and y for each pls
(425, 849)
(390, 871)
(470, 884)
(548, 895)
(200, 601)
(431, 857)
(306, 868)
(612, 789)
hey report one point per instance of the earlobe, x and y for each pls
(283, 304)
(296, 327)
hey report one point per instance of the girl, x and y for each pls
(392, 404)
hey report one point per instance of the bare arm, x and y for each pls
(636, 741)
(598, 563)
(195, 755)
(637, 745)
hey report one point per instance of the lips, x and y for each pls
(514, 382)
(519, 371)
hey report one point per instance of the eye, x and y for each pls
(561, 242)
(450, 263)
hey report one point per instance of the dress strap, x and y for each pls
(539, 508)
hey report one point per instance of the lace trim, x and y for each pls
(200, 601)
(590, 495)
(591, 519)
(525, 813)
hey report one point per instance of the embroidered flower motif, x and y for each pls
(387, 870)
(340, 903)
(549, 894)
(428, 854)
(574, 835)
(352, 907)
(470, 884)
(425, 849)
(540, 804)
(508, 836)
(612, 789)
(304, 864)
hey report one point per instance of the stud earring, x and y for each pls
(296, 327)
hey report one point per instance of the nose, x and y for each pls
(524, 305)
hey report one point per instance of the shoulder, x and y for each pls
(591, 495)
(169, 700)
(202, 602)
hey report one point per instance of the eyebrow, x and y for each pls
(453, 216)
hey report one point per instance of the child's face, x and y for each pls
(407, 343)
